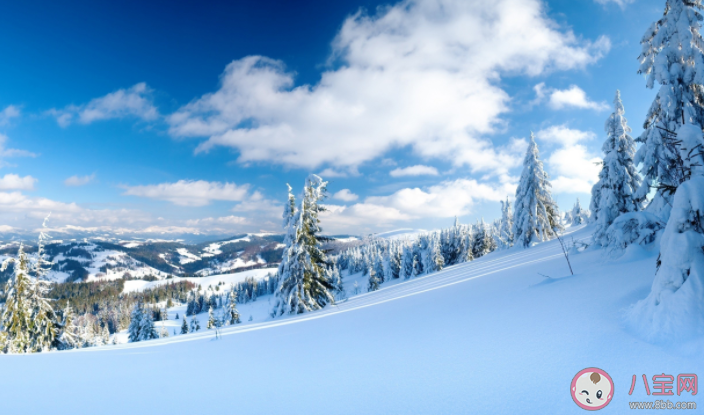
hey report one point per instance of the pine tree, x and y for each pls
(195, 325)
(578, 216)
(536, 217)
(506, 231)
(69, 336)
(184, 326)
(304, 284)
(146, 329)
(483, 241)
(373, 281)
(191, 300)
(16, 318)
(436, 255)
(672, 56)
(674, 306)
(211, 319)
(233, 314)
(408, 264)
(135, 327)
(619, 181)
(163, 333)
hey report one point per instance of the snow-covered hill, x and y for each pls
(493, 336)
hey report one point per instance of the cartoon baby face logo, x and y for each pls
(592, 389)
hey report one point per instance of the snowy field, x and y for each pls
(487, 337)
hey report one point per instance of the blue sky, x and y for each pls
(187, 117)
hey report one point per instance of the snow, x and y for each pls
(187, 257)
(490, 336)
(205, 282)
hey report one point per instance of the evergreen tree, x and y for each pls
(373, 281)
(69, 336)
(483, 241)
(506, 231)
(135, 327)
(536, 217)
(146, 329)
(184, 326)
(578, 216)
(436, 255)
(191, 300)
(106, 335)
(211, 319)
(16, 318)
(672, 56)
(233, 314)
(304, 284)
(195, 325)
(619, 182)
(674, 306)
(408, 264)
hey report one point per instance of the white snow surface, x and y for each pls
(487, 337)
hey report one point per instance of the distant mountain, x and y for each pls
(108, 257)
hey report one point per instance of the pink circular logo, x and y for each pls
(592, 389)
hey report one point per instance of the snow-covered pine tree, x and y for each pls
(184, 326)
(483, 242)
(304, 285)
(16, 317)
(146, 329)
(191, 301)
(373, 281)
(232, 314)
(536, 217)
(675, 306)
(407, 262)
(436, 255)
(105, 335)
(379, 266)
(619, 182)
(673, 57)
(211, 319)
(395, 261)
(134, 329)
(506, 231)
(163, 333)
(68, 338)
(195, 325)
(578, 216)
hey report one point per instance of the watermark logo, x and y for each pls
(592, 389)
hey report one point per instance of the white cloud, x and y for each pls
(15, 182)
(423, 74)
(133, 102)
(7, 114)
(621, 3)
(563, 135)
(345, 195)
(418, 170)
(572, 97)
(79, 180)
(190, 192)
(444, 200)
(12, 152)
(223, 220)
(573, 168)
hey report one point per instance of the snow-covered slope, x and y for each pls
(205, 282)
(491, 336)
